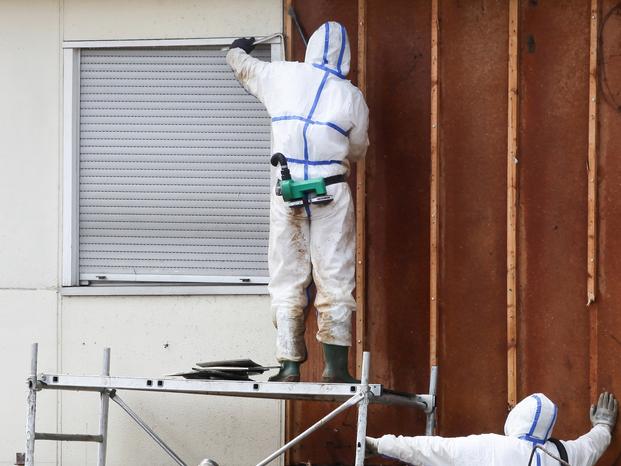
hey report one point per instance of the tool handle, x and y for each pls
(279, 158)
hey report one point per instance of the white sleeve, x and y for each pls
(587, 449)
(249, 71)
(358, 134)
(419, 451)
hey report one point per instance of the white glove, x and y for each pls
(371, 446)
(605, 412)
(208, 462)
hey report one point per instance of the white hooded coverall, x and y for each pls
(319, 122)
(528, 424)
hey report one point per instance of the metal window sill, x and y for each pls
(163, 290)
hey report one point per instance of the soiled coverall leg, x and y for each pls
(333, 254)
(290, 272)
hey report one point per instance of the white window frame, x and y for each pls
(71, 121)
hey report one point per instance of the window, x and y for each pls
(166, 165)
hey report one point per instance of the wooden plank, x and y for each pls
(512, 152)
(592, 237)
(288, 28)
(361, 201)
(434, 233)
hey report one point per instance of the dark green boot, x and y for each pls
(289, 372)
(335, 369)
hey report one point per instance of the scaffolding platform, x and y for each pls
(348, 395)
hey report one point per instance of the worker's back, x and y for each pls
(319, 119)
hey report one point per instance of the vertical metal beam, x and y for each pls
(288, 427)
(361, 199)
(363, 409)
(71, 162)
(592, 235)
(32, 406)
(434, 225)
(103, 413)
(512, 182)
(433, 387)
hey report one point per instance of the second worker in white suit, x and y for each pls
(527, 440)
(319, 123)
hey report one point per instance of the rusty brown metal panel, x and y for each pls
(334, 443)
(398, 170)
(473, 147)
(398, 186)
(553, 328)
(609, 280)
(553, 338)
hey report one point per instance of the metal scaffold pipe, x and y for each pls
(348, 404)
(32, 405)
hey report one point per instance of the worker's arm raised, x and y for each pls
(432, 451)
(587, 449)
(249, 71)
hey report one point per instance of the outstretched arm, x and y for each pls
(432, 451)
(587, 449)
(419, 451)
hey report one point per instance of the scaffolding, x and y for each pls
(349, 395)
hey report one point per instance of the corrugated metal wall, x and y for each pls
(565, 349)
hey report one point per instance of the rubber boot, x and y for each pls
(289, 372)
(335, 369)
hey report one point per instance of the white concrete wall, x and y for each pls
(162, 19)
(149, 336)
(157, 336)
(29, 211)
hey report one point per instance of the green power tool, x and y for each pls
(296, 192)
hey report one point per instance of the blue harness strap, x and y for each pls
(314, 162)
(326, 44)
(342, 52)
(329, 70)
(310, 116)
(334, 126)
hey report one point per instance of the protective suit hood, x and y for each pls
(328, 48)
(532, 419)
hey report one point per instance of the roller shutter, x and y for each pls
(174, 168)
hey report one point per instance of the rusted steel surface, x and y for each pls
(333, 444)
(397, 188)
(553, 340)
(398, 171)
(473, 147)
(609, 280)
(557, 343)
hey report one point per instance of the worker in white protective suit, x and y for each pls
(529, 426)
(319, 123)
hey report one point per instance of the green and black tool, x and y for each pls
(296, 192)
